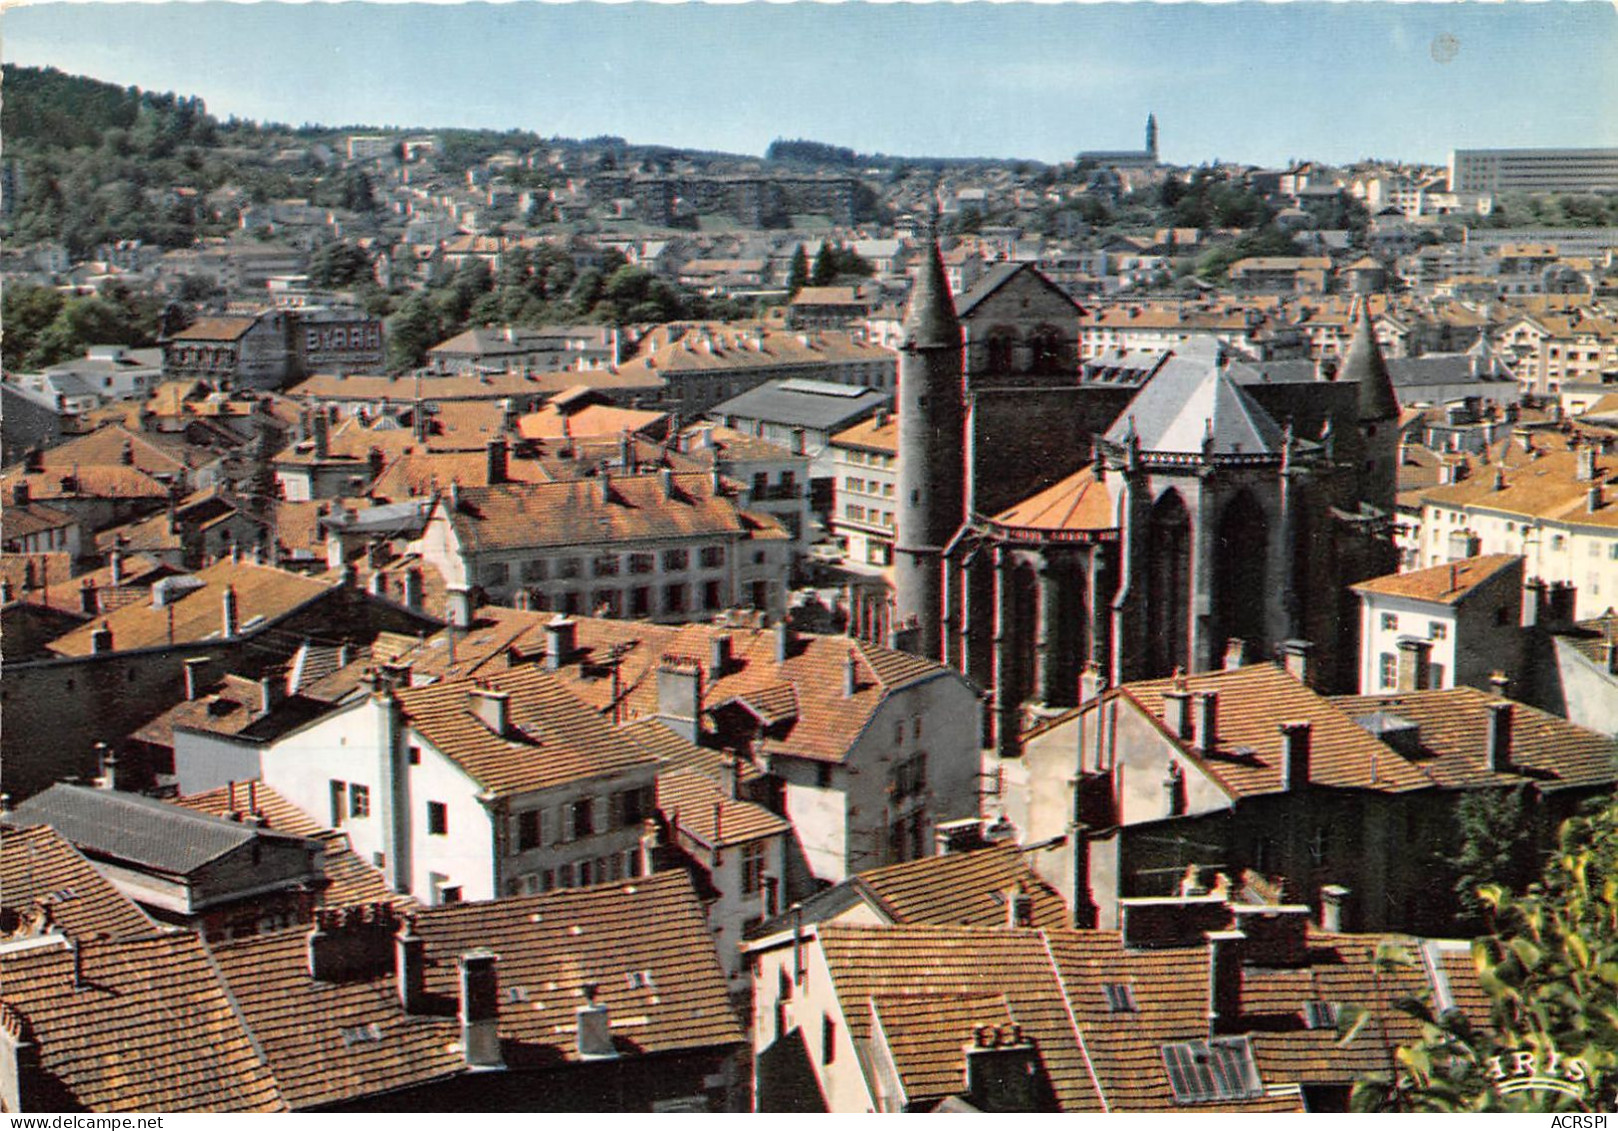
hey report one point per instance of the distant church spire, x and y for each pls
(1151, 135)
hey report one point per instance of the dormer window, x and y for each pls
(1120, 997)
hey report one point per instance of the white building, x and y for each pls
(864, 462)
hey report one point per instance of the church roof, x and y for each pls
(1365, 365)
(1192, 405)
(930, 321)
(1078, 503)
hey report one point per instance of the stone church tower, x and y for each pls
(1151, 136)
(932, 465)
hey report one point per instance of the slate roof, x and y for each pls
(998, 276)
(149, 1027)
(1191, 404)
(1448, 584)
(39, 870)
(1363, 363)
(816, 405)
(143, 831)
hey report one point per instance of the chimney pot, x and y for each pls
(480, 1009)
(1235, 653)
(561, 640)
(1332, 897)
(1295, 754)
(1498, 738)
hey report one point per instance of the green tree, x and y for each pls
(1550, 974)
(1497, 829)
(825, 270)
(339, 264)
(412, 331)
(798, 272)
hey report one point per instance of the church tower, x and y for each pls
(1378, 414)
(1151, 136)
(932, 463)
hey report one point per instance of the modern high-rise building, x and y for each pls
(1533, 170)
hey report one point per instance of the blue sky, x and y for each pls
(1237, 81)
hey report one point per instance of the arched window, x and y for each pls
(1048, 351)
(1168, 584)
(1002, 349)
(1240, 560)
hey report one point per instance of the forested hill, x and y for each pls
(44, 107)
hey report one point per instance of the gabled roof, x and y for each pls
(146, 1026)
(1192, 405)
(1448, 584)
(998, 276)
(553, 738)
(960, 888)
(215, 330)
(41, 872)
(700, 807)
(142, 831)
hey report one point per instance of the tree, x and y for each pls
(798, 272)
(825, 272)
(1496, 829)
(414, 330)
(339, 264)
(1550, 973)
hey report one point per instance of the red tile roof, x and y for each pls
(1442, 584)
(40, 872)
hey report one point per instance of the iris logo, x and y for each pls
(1521, 1071)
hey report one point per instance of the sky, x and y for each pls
(1253, 82)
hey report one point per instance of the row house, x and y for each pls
(1552, 350)
(864, 462)
(666, 546)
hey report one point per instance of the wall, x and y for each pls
(204, 761)
(813, 999)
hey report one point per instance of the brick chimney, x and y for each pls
(1295, 754)
(718, 655)
(89, 603)
(1003, 1071)
(1415, 663)
(352, 943)
(480, 1009)
(492, 708)
(498, 466)
(561, 641)
(1497, 739)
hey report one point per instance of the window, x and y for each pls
(583, 874)
(854, 512)
(581, 820)
(1213, 1070)
(605, 565)
(712, 598)
(640, 601)
(674, 598)
(713, 557)
(450, 894)
(1389, 670)
(752, 867)
(1120, 997)
(415, 755)
(1437, 630)
(676, 559)
(629, 807)
(437, 819)
(534, 570)
(641, 563)
(1320, 1015)
(828, 1039)
(359, 801)
(1390, 622)
(339, 802)
(607, 603)
(495, 573)
(823, 775)
(528, 829)
(1558, 542)
(567, 568)
(909, 777)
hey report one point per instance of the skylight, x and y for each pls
(1212, 1071)
(1120, 997)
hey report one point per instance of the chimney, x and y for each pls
(1235, 653)
(1019, 907)
(1091, 682)
(89, 605)
(499, 468)
(108, 762)
(850, 674)
(1500, 683)
(1177, 713)
(194, 676)
(1498, 738)
(1003, 1071)
(101, 640)
(1295, 658)
(1592, 498)
(410, 967)
(458, 606)
(492, 708)
(1587, 463)
(665, 480)
(594, 1028)
(605, 481)
(379, 583)
(561, 640)
(1295, 740)
(350, 943)
(718, 656)
(480, 1009)
(1205, 707)
(230, 623)
(322, 435)
(19, 493)
(412, 588)
(783, 641)
(679, 696)
(799, 447)
(1224, 980)
(1332, 898)
(272, 689)
(1415, 663)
